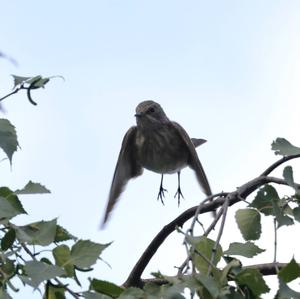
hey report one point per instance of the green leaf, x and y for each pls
(8, 138)
(171, 291)
(106, 288)
(290, 272)
(7, 270)
(280, 217)
(285, 292)
(296, 213)
(284, 148)
(38, 272)
(54, 292)
(210, 284)
(39, 81)
(253, 279)
(248, 221)
(151, 289)
(248, 249)
(10, 207)
(10, 204)
(5, 191)
(84, 253)
(8, 239)
(263, 200)
(92, 295)
(205, 247)
(62, 235)
(62, 256)
(232, 293)
(233, 266)
(45, 260)
(4, 295)
(34, 79)
(33, 188)
(132, 293)
(18, 80)
(37, 233)
(288, 176)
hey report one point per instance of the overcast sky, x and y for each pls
(227, 71)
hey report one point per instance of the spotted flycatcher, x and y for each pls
(159, 145)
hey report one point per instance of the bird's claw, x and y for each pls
(178, 194)
(161, 194)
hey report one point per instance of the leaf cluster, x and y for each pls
(46, 257)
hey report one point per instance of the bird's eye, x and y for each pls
(151, 110)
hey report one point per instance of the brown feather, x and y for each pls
(194, 161)
(127, 167)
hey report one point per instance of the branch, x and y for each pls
(264, 269)
(10, 94)
(224, 208)
(278, 163)
(134, 278)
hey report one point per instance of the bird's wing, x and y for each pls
(193, 162)
(127, 167)
(198, 141)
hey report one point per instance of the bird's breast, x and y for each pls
(161, 150)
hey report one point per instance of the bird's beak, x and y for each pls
(138, 115)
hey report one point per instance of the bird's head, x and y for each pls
(149, 114)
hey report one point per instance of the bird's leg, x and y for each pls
(178, 192)
(161, 193)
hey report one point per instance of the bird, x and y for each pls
(156, 144)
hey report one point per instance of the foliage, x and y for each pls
(28, 84)
(46, 257)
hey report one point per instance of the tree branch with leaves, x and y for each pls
(46, 257)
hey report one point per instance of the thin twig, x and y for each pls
(215, 248)
(10, 94)
(200, 206)
(134, 278)
(185, 264)
(275, 240)
(214, 222)
(278, 163)
(264, 269)
(209, 262)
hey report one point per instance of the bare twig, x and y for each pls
(200, 206)
(185, 265)
(214, 251)
(10, 94)
(134, 278)
(278, 163)
(264, 269)
(214, 222)
(195, 220)
(275, 241)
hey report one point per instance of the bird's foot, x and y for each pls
(179, 195)
(161, 194)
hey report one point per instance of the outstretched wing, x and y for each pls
(194, 162)
(127, 167)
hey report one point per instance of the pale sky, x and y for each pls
(227, 71)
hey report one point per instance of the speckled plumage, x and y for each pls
(157, 144)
